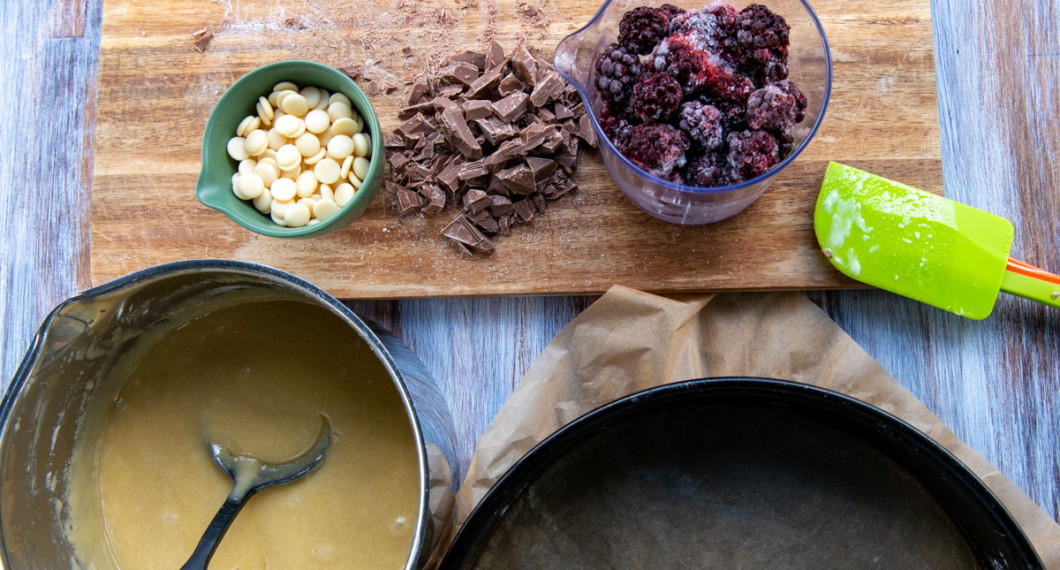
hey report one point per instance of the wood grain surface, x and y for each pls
(156, 93)
(994, 383)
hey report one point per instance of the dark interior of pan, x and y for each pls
(739, 473)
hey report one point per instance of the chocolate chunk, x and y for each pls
(409, 202)
(545, 116)
(398, 160)
(461, 71)
(511, 107)
(449, 176)
(524, 65)
(421, 108)
(562, 111)
(586, 132)
(494, 129)
(472, 170)
(542, 169)
(495, 55)
(478, 109)
(415, 126)
(462, 231)
(472, 196)
(449, 91)
(508, 150)
(549, 88)
(499, 205)
(539, 202)
(435, 199)
(510, 84)
(519, 179)
(458, 134)
(486, 223)
(481, 85)
(524, 210)
(534, 135)
(478, 59)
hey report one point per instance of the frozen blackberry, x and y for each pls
(616, 71)
(763, 39)
(775, 107)
(655, 97)
(757, 27)
(709, 170)
(702, 123)
(616, 125)
(657, 148)
(715, 28)
(685, 56)
(642, 28)
(752, 153)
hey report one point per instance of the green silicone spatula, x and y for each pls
(922, 246)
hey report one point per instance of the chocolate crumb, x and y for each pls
(202, 39)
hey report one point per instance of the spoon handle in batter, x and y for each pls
(212, 537)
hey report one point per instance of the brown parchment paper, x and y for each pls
(629, 341)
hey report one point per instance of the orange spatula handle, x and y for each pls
(1032, 283)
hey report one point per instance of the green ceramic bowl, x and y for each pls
(214, 188)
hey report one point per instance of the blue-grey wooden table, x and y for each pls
(994, 383)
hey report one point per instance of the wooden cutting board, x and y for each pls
(156, 92)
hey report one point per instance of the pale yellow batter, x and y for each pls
(254, 377)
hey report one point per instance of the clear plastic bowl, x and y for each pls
(810, 67)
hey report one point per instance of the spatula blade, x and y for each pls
(910, 242)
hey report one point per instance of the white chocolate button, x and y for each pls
(311, 94)
(308, 144)
(276, 140)
(249, 123)
(345, 126)
(268, 171)
(340, 97)
(326, 193)
(288, 125)
(262, 202)
(276, 219)
(327, 170)
(362, 144)
(288, 157)
(250, 186)
(338, 110)
(307, 184)
(347, 163)
(310, 161)
(285, 86)
(325, 99)
(283, 189)
(279, 208)
(236, 148)
(256, 142)
(295, 104)
(247, 165)
(340, 146)
(265, 108)
(324, 209)
(297, 215)
(343, 194)
(354, 181)
(317, 121)
(360, 167)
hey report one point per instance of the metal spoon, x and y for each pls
(250, 475)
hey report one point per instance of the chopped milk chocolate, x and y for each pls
(493, 134)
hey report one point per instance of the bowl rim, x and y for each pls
(606, 141)
(361, 198)
(838, 409)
